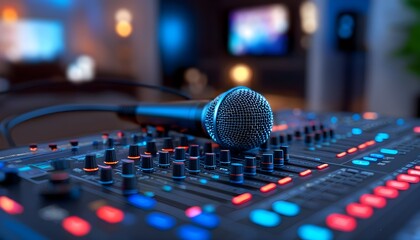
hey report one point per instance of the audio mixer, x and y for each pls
(319, 176)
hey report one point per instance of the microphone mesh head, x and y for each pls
(239, 119)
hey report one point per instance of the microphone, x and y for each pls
(239, 119)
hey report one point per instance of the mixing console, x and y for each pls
(319, 176)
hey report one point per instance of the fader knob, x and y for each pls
(134, 152)
(286, 153)
(178, 170)
(236, 173)
(163, 159)
(147, 164)
(110, 157)
(194, 150)
(250, 166)
(90, 163)
(224, 157)
(168, 145)
(151, 148)
(105, 175)
(179, 154)
(267, 164)
(278, 158)
(194, 165)
(210, 161)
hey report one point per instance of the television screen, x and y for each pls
(259, 30)
(31, 40)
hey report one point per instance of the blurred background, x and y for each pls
(320, 55)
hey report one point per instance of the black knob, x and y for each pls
(135, 138)
(129, 185)
(110, 143)
(163, 159)
(168, 145)
(332, 133)
(298, 134)
(224, 157)
(134, 152)
(236, 173)
(60, 164)
(286, 153)
(147, 164)
(128, 167)
(110, 157)
(178, 171)
(74, 143)
(194, 165)
(208, 147)
(289, 137)
(194, 150)
(307, 130)
(313, 128)
(309, 139)
(179, 154)
(278, 158)
(274, 141)
(151, 148)
(183, 141)
(267, 164)
(318, 136)
(325, 134)
(52, 146)
(321, 126)
(264, 146)
(33, 147)
(90, 163)
(105, 175)
(250, 166)
(282, 139)
(210, 161)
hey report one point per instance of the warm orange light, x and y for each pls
(370, 115)
(123, 29)
(280, 127)
(241, 74)
(9, 14)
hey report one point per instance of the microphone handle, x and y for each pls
(181, 115)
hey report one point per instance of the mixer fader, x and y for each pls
(318, 176)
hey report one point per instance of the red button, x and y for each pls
(342, 154)
(110, 214)
(408, 178)
(268, 188)
(386, 192)
(341, 222)
(243, 198)
(397, 184)
(322, 166)
(413, 172)
(417, 167)
(373, 201)
(284, 181)
(305, 173)
(352, 150)
(76, 226)
(359, 210)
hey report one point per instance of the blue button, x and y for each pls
(389, 151)
(160, 221)
(379, 139)
(360, 162)
(400, 121)
(143, 202)
(377, 155)
(190, 232)
(356, 117)
(286, 208)
(264, 218)
(313, 232)
(370, 159)
(383, 135)
(167, 188)
(356, 131)
(207, 220)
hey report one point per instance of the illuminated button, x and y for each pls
(359, 210)
(398, 185)
(413, 172)
(160, 221)
(313, 232)
(370, 143)
(373, 201)
(356, 131)
(408, 178)
(10, 206)
(207, 220)
(243, 198)
(305, 173)
(389, 151)
(377, 155)
(268, 188)
(362, 146)
(342, 154)
(417, 167)
(286, 208)
(142, 202)
(386, 192)
(193, 211)
(322, 166)
(352, 150)
(361, 162)
(76, 226)
(370, 159)
(188, 232)
(341, 222)
(285, 181)
(264, 218)
(416, 129)
(110, 214)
